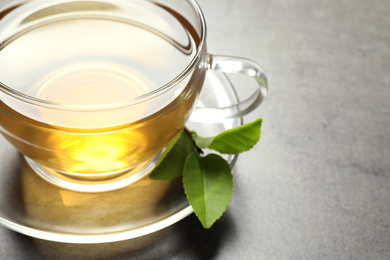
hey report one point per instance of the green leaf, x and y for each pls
(208, 184)
(172, 162)
(232, 141)
(169, 147)
(202, 142)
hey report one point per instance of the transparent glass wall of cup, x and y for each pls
(93, 91)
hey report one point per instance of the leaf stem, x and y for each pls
(190, 134)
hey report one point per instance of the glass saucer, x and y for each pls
(34, 207)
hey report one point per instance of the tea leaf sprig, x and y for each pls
(207, 180)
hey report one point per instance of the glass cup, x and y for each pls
(93, 91)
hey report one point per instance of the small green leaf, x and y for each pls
(171, 164)
(208, 184)
(232, 141)
(202, 142)
(169, 147)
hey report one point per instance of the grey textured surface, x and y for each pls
(318, 184)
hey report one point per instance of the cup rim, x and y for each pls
(130, 102)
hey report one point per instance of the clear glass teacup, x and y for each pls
(93, 91)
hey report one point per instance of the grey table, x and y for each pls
(318, 184)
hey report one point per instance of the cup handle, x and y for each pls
(227, 64)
